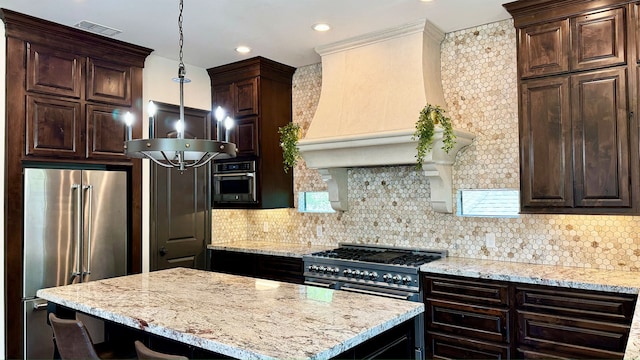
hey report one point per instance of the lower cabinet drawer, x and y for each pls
(444, 346)
(573, 337)
(477, 322)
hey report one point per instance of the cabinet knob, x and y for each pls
(163, 251)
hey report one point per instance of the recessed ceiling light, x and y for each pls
(321, 27)
(243, 49)
(426, 0)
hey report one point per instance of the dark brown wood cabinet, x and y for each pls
(66, 92)
(563, 323)
(467, 319)
(75, 105)
(272, 267)
(257, 93)
(577, 97)
(484, 319)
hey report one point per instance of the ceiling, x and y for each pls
(276, 29)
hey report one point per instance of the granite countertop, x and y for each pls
(270, 248)
(237, 316)
(570, 277)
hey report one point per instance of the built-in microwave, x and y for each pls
(235, 182)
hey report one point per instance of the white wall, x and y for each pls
(158, 86)
(3, 55)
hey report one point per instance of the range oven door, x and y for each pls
(234, 187)
(378, 291)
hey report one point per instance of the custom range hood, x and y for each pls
(373, 88)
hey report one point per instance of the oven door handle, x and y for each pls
(331, 285)
(249, 174)
(346, 287)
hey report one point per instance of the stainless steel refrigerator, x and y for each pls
(75, 230)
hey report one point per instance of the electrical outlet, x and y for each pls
(319, 230)
(265, 227)
(490, 240)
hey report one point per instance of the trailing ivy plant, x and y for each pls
(430, 116)
(289, 135)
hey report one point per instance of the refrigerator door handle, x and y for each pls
(88, 189)
(40, 306)
(77, 212)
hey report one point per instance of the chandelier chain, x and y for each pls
(181, 42)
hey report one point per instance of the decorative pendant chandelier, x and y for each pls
(178, 152)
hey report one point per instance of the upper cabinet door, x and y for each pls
(601, 138)
(546, 167)
(544, 49)
(53, 72)
(598, 39)
(246, 99)
(109, 83)
(106, 132)
(54, 127)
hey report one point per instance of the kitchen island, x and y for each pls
(237, 316)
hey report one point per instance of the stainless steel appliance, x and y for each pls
(374, 270)
(75, 230)
(235, 182)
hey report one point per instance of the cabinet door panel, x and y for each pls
(280, 268)
(614, 308)
(246, 136)
(54, 127)
(598, 40)
(477, 322)
(53, 72)
(110, 83)
(467, 291)
(563, 335)
(246, 97)
(106, 132)
(544, 49)
(453, 347)
(601, 139)
(545, 144)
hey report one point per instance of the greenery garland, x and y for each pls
(430, 116)
(289, 135)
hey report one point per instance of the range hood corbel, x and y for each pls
(373, 88)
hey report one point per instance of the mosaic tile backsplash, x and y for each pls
(389, 205)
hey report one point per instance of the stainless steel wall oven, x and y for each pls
(235, 182)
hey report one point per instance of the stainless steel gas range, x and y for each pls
(370, 269)
(375, 270)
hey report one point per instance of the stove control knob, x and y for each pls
(314, 268)
(397, 279)
(365, 274)
(336, 271)
(387, 277)
(356, 273)
(406, 279)
(323, 269)
(347, 272)
(373, 275)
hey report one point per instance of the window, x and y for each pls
(314, 202)
(488, 202)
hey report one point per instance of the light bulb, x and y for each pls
(128, 119)
(180, 126)
(151, 109)
(220, 113)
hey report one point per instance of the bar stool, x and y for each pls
(144, 353)
(72, 339)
